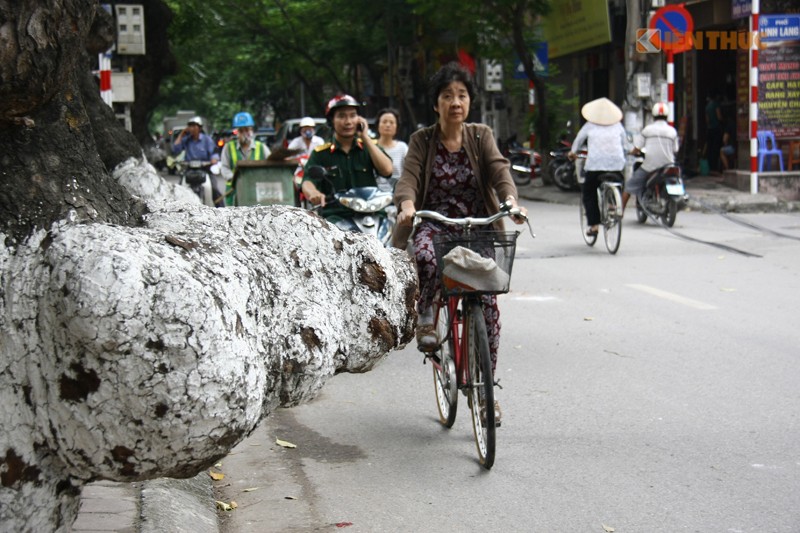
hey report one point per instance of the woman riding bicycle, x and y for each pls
(606, 141)
(456, 169)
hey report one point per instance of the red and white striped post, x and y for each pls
(105, 78)
(754, 42)
(671, 87)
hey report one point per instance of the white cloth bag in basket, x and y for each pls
(467, 269)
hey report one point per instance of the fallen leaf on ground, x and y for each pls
(727, 289)
(216, 476)
(588, 319)
(289, 498)
(344, 524)
(234, 505)
(608, 529)
(251, 489)
(218, 465)
(285, 444)
(222, 506)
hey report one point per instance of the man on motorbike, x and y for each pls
(660, 144)
(199, 147)
(244, 146)
(351, 160)
(307, 141)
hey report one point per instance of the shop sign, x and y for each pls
(741, 8)
(773, 28)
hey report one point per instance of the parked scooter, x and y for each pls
(560, 168)
(372, 210)
(197, 176)
(524, 161)
(663, 196)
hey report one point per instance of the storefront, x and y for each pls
(719, 64)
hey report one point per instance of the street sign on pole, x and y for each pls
(674, 27)
(539, 62)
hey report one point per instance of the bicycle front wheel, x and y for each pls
(612, 223)
(480, 383)
(444, 372)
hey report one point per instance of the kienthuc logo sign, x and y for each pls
(649, 41)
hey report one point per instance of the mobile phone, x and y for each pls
(359, 127)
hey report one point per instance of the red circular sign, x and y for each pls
(674, 27)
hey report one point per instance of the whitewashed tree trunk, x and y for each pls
(129, 353)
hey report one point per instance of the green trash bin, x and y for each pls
(264, 183)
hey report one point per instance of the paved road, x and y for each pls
(655, 390)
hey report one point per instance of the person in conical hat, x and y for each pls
(602, 111)
(607, 145)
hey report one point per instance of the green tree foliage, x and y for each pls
(237, 55)
(242, 55)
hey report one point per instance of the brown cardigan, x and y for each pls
(488, 164)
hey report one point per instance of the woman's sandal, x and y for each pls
(498, 414)
(427, 339)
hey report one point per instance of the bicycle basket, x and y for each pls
(478, 263)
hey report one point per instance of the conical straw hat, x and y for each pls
(602, 111)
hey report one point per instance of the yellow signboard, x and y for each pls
(574, 25)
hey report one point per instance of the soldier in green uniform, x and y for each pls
(351, 160)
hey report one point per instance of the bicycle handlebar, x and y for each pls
(505, 211)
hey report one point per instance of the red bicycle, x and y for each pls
(469, 264)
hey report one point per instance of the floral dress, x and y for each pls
(453, 191)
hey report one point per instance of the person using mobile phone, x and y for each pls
(351, 159)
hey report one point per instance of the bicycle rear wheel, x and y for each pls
(589, 240)
(612, 224)
(445, 383)
(480, 383)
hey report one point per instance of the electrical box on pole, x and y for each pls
(130, 29)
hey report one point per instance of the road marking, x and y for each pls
(672, 297)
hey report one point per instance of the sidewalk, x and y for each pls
(187, 505)
(706, 194)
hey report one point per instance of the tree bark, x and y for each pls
(52, 167)
(141, 338)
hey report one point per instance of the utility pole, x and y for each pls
(645, 83)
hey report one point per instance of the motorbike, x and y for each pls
(560, 168)
(372, 210)
(525, 163)
(196, 175)
(664, 195)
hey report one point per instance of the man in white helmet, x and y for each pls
(307, 141)
(659, 143)
(199, 147)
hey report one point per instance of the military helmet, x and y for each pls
(341, 100)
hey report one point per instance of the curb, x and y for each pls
(179, 505)
(712, 200)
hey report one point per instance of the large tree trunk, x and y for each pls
(52, 168)
(141, 338)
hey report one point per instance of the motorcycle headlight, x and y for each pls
(376, 204)
(366, 206)
(356, 204)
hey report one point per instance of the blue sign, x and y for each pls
(539, 63)
(779, 28)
